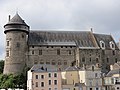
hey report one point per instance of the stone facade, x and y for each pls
(25, 47)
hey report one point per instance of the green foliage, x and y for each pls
(1, 66)
(13, 81)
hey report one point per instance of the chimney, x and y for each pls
(9, 18)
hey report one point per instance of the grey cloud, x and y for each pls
(101, 15)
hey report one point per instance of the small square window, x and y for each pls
(42, 76)
(42, 84)
(58, 51)
(7, 43)
(40, 52)
(49, 82)
(36, 84)
(49, 75)
(55, 82)
(55, 74)
(36, 76)
(32, 51)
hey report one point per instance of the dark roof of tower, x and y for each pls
(68, 38)
(17, 20)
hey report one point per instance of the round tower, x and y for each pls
(16, 31)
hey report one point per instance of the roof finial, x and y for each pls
(16, 10)
(9, 18)
(91, 29)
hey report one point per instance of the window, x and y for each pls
(113, 52)
(7, 53)
(83, 59)
(50, 89)
(90, 88)
(36, 76)
(35, 62)
(69, 52)
(36, 84)
(42, 84)
(55, 74)
(42, 76)
(7, 43)
(65, 62)
(58, 51)
(22, 35)
(59, 62)
(32, 51)
(55, 88)
(90, 59)
(53, 62)
(115, 60)
(103, 52)
(95, 74)
(47, 62)
(49, 82)
(97, 60)
(97, 88)
(49, 75)
(17, 44)
(92, 68)
(41, 62)
(107, 60)
(102, 44)
(112, 45)
(55, 82)
(40, 52)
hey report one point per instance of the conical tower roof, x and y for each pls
(16, 20)
(16, 24)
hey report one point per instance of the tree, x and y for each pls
(1, 66)
(13, 81)
(6, 81)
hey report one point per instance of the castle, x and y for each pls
(25, 47)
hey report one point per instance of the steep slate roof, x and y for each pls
(43, 68)
(17, 20)
(79, 84)
(72, 68)
(106, 38)
(81, 39)
(72, 38)
(112, 72)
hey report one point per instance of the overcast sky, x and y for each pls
(101, 15)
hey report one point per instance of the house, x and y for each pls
(44, 78)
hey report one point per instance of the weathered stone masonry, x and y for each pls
(26, 47)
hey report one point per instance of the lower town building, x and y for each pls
(112, 79)
(44, 78)
(72, 78)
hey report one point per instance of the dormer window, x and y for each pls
(112, 45)
(102, 44)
